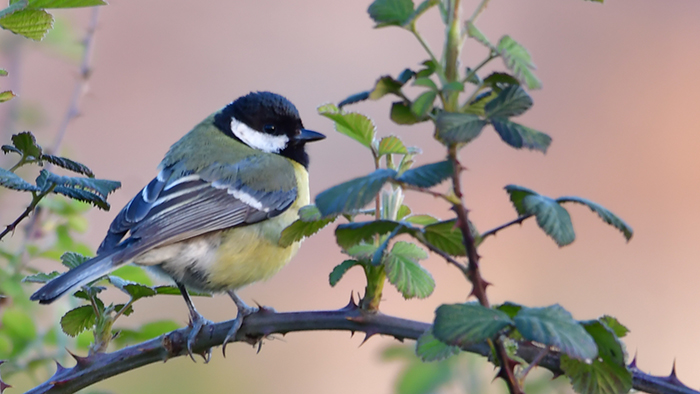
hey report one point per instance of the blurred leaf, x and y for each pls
(607, 216)
(9, 148)
(352, 195)
(391, 145)
(420, 10)
(554, 326)
(26, 143)
(301, 229)
(423, 104)
(12, 181)
(405, 273)
(511, 309)
(145, 332)
(134, 290)
(390, 12)
(340, 270)
(476, 106)
(73, 259)
(454, 86)
(499, 81)
(101, 187)
(68, 164)
(609, 345)
(475, 33)
(428, 175)
(19, 324)
(31, 23)
(402, 114)
(617, 327)
(446, 237)
(466, 324)
(598, 377)
(511, 101)
(425, 82)
(7, 95)
(78, 320)
(133, 273)
(453, 128)
(354, 125)
(385, 85)
(3, 72)
(551, 217)
(519, 136)
(64, 3)
(349, 234)
(41, 277)
(429, 69)
(404, 211)
(362, 251)
(421, 219)
(518, 60)
(355, 98)
(429, 348)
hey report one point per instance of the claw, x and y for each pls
(197, 322)
(243, 311)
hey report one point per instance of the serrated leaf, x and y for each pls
(133, 289)
(390, 12)
(41, 277)
(26, 143)
(511, 101)
(518, 60)
(551, 217)
(519, 136)
(301, 229)
(402, 114)
(475, 33)
(100, 187)
(340, 270)
(349, 234)
(425, 82)
(404, 272)
(618, 328)
(598, 377)
(403, 211)
(422, 220)
(453, 128)
(385, 85)
(609, 346)
(352, 195)
(31, 23)
(78, 320)
(499, 81)
(9, 148)
(554, 326)
(427, 175)
(83, 196)
(354, 125)
(64, 3)
(7, 95)
(607, 216)
(391, 145)
(362, 251)
(355, 98)
(73, 259)
(423, 104)
(13, 181)
(466, 324)
(429, 69)
(476, 106)
(446, 237)
(68, 164)
(429, 348)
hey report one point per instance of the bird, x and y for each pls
(212, 217)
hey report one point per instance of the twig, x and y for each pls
(493, 231)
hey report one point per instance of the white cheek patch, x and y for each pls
(255, 139)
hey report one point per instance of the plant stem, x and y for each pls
(479, 9)
(493, 231)
(35, 201)
(453, 47)
(438, 67)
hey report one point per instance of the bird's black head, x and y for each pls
(267, 122)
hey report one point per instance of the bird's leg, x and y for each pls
(243, 311)
(197, 321)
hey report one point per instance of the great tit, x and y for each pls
(212, 217)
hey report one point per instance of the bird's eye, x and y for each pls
(269, 128)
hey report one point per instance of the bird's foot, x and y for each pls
(197, 322)
(243, 311)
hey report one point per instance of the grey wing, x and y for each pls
(167, 211)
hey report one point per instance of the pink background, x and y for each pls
(620, 100)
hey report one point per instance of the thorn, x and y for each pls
(3, 385)
(368, 335)
(351, 306)
(633, 363)
(59, 368)
(260, 343)
(672, 378)
(352, 333)
(81, 362)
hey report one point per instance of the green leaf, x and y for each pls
(499, 81)
(31, 23)
(133, 273)
(453, 128)
(429, 69)
(355, 98)
(100, 187)
(427, 175)
(145, 332)
(511, 101)
(362, 251)
(617, 327)
(425, 82)
(134, 290)
(9, 148)
(385, 85)
(404, 272)
(391, 145)
(68, 164)
(41, 277)
(518, 60)
(390, 12)
(551, 217)
(609, 346)
(554, 326)
(422, 220)
(454, 86)
(402, 114)
(18, 323)
(476, 34)
(64, 3)
(13, 181)
(420, 10)
(3, 72)
(466, 324)
(78, 320)
(403, 211)
(607, 216)
(510, 308)
(340, 270)
(26, 143)
(349, 234)
(446, 237)
(598, 377)
(7, 95)
(84, 196)
(73, 259)
(476, 106)
(423, 104)
(301, 229)
(354, 125)
(352, 195)
(519, 136)
(429, 348)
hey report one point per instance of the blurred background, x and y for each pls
(619, 99)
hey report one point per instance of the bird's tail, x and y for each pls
(76, 277)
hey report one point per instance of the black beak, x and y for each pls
(308, 136)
